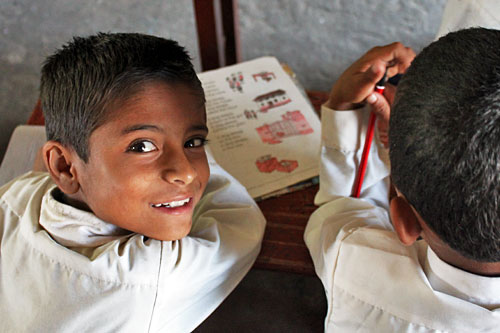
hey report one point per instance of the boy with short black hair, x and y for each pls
(444, 145)
(453, 143)
(128, 233)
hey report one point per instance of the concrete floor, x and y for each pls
(269, 301)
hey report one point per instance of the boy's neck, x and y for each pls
(452, 257)
(70, 201)
(490, 269)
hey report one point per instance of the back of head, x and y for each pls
(82, 78)
(445, 140)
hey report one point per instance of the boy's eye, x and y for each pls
(143, 146)
(195, 143)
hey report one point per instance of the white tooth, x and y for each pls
(178, 203)
(172, 204)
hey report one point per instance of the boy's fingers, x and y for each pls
(396, 56)
(374, 73)
(389, 93)
(379, 106)
(401, 58)
(358, 81)
(362, 83)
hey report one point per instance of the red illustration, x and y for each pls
(265, 76)
(293, 123)
(236, 81)
(269, 164)
(272, 99)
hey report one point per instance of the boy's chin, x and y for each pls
(180, 232)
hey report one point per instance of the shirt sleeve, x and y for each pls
(343, 135)
(200, 270)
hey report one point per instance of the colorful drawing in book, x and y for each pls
(235, 81)
(292, 123)
(272, 99)
(250, 114)
(264, 76)
(269, 164)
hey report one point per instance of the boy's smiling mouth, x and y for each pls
(173, 204)
(175, 207)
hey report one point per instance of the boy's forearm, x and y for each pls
(343, 135)
(343, 131)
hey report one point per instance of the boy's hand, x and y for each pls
(356, 85)
(381, 106)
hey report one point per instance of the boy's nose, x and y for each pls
(178, 169)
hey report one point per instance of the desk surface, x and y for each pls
(283, 247)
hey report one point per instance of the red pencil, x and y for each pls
(379, 87)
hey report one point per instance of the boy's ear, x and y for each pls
(405, 221)
(60, 163)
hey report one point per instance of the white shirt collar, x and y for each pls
(481, 290)
(72, 227)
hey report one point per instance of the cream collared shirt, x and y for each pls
(373, 283)
(65, 270)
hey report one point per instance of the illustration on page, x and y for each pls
(272, 99)
(268, 164)
(292, 123)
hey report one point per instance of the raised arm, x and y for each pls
(343, 134)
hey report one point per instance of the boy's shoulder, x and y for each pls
(375, 273)
(74, 239)
(24, 191)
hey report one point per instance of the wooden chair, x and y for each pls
(218, 35)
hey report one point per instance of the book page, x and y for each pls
(262, 130)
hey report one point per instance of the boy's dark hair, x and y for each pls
(82, 78)
(445, 140)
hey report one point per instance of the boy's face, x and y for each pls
(147, 168)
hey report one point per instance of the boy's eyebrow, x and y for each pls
(199, 128)
(142, 127)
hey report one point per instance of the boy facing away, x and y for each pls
(132, 229)
(444, 147)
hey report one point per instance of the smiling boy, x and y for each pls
(158, 133)
(132, 229)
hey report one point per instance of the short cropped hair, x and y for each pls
(89, 73)
(445, 140)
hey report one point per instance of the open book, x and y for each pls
(262, 130)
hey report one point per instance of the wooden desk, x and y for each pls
(283, 247)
